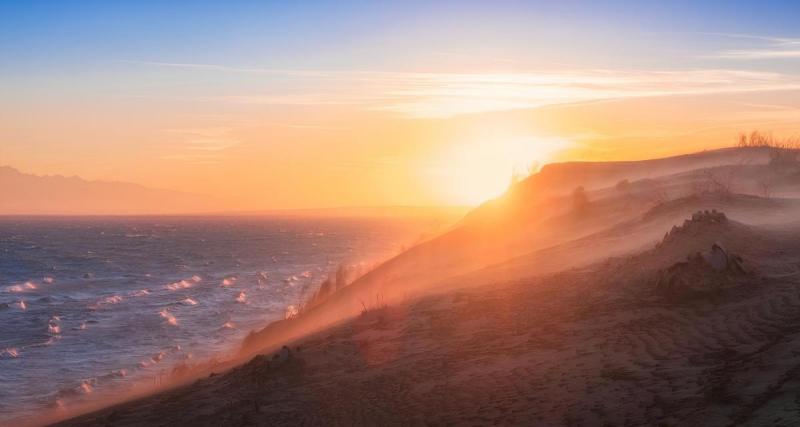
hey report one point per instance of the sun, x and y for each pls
(476, 171)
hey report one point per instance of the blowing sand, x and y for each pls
(636, 311)
(568, 349)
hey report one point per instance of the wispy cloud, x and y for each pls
(200, 146)
(442, 95)
(759, 53)
(229, 69)
(768, 47)
(773, 39)
(446, 95)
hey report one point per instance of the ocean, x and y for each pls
(92, 304)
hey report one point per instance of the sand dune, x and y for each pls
(572, 348)
(545, 313)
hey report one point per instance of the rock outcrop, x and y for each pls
(702, 274)
(699, 221)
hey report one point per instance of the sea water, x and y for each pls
(87, 304)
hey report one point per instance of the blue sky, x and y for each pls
(335, 35)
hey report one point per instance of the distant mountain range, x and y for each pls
(28, 194)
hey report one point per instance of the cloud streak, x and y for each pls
(443, 95)
(201, 146)
(771, 48)
(447, 95)
(759, 54)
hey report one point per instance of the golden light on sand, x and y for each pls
(479, 170)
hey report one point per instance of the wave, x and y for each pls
(109, 300)
(11, 352)
(53, 328)
(139, 293)
(204, 296)
(184, 284)
(241, 298)
(114, 299)
(169, 317)
(181, 284)
(24, 287)
(291, 311)
(189, 301)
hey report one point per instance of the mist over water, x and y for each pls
(90, 304)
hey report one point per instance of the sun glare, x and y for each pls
(479, 170)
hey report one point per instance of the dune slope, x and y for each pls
(555, 314)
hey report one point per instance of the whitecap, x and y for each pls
(169, 317)
(121, 373)
(158, 357)
(189, 301)
(182, 284)
(241, 298)
(49, 280)
(291, 311)
(114, 299)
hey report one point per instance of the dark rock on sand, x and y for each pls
(701, 274)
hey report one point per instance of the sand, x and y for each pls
(571, 329)
(568, 349)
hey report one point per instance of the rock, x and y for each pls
(717, 257)
(692, 225)
(701, 274)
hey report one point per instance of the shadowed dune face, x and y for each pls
(596, 345)
(536, 228)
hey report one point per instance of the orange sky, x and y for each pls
(311, 156)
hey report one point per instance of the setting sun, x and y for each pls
(476, 171)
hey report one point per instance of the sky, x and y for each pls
(321, 104)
